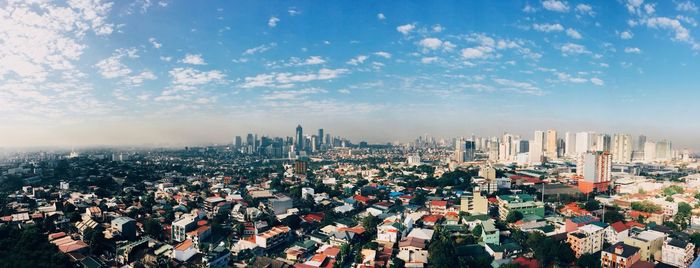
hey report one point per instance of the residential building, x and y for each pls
(474, 203)
(525, 204)
(587, 239)
(649, 242)
(126, 227)
(489, 233)
(181, 226)
(619, 255)
(273, 237)
(677, 252)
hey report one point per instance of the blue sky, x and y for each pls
(88, 72)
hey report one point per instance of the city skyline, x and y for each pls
(118, 76)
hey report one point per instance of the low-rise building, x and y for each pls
(587, 239)
(619, 255)
(273, 237)
(525, 204)
(649, 242)
(677, 252)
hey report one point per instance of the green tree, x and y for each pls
(612, 216)
(682, 218)
(592, 205)
(514, 216)
(152, 228)
(588, 261)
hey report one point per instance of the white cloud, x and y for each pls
(572, 49)
(380, 16)
(186, 82)
(555, 5)
(548, 27)
(406, 28)
(191, 77)
(438, 28)
(293, 94)
(680, 32)
(344, 91)
(313, 60)
(585, 9)
(626, 35)
(272, 22)
(597, 81)
(287, 80)
(430, 43)
(293, 11)
(649, 9)
(259, 49)
(166, 58)
(153, 42)
(138, 79)
(519, 87)
(194, 59)
(529, 9)
(634, 50)
(383, 54)
(112, 67)
(428, 60)
(480, 52)
(687, 6)
(357, 60)
(573, 33)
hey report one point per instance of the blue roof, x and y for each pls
(584, 219)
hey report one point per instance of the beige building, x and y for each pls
(649, 242)
(475, 203)
(587, 239)
(677, 252)
(551, 144)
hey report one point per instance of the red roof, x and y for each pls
(526, 263)
(361, 198)
(432, 218)
(441, 203)
(619, 226)
(631, 224)
(635, 214)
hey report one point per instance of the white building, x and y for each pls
(583, 142)
(537, 147)
(622, 148)
(677, 252)
(569, 144)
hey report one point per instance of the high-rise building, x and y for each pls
(537, 147)
(299, 139)
(493, 149)
(603, 142)
(583, 142)
(551, 145)
(506, 148)
(649, 151)
(570, 144)
(622, 148)
(663, 151)
(250, 140)
(459, 150)
(640, 142)
(595, 169)
(238, 142)
(320, 136)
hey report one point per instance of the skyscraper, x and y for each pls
(320, 136)
(583, 142)
(649, 151)
(595, 168)
(299, 139)
(551, 146)
(603, 142)
(640, 143)
(622, 148)
(238, 142)
(570, 144)
(537, 147)
(459, 153)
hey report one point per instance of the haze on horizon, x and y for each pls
(172, 72)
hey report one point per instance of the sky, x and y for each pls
(91, 72)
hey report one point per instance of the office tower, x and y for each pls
(299, 139)
(560, 147)
(459, 150)
(640, 143)
(493, 149)
(523, 146)
(506, 149)
(249, 140)
(603, 142)
(238, 142)
(537, 147)
(551, 145)
(320, 136)
(663, 151)
(583, 142)
(595, 169)
(622, 148)
(570, 144)
(469, 150)
(649, 151)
